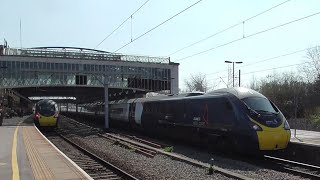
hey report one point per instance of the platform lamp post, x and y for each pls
(237, 62)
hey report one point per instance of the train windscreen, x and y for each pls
(46, 109)
(260, 105)
(263, 111)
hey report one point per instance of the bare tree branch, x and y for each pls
(311, 70)
(197, 82)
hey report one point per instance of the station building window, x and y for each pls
(81, 80)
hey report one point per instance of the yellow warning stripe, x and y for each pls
(14, 162)
(38, 166)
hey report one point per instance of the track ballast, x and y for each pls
(95, 166)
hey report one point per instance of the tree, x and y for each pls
(253, 84)
(311, 70)
(287, 91)
(197, 82)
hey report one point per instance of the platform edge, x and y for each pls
(66, 157)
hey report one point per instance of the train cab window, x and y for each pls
(261, 105)
(46, 109)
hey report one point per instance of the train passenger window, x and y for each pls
(220, 111)
(178, 110)
(161, 107)
(228, 106)
(194, 109)
(146, 107)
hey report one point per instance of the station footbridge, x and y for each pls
(81, 73)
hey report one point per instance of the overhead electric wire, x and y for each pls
(208, 37)
(122, 23)
(276, 57)
(275, 68)
(267, 59)
(262, 70)
(158, 25)
(230, 27)
(251, 35)
(252, 17)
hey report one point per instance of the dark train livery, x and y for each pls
(46, 113)
(237, 117)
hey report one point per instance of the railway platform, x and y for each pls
(26, 154)
(305, 137)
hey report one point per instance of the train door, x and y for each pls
(132, 110)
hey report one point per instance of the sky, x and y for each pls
(82, 23)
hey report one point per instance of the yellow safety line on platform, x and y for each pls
(15, 166)
(38, 166)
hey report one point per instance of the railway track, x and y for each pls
(133, 143)
(145, 147)
(95, 166)
(297, 168)
(277, 164)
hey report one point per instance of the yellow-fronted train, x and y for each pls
(237, 118)
(46, 113)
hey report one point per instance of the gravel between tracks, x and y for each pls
(162, 167)
(159, 167)
(240, 167)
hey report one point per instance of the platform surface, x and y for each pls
(26, 154)
(305, 137)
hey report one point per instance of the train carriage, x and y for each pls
(238, 117)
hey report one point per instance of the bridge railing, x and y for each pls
(85, 55)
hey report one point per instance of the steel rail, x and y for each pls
(106, 164)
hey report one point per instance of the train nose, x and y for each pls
(269, 140)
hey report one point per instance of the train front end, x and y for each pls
(46, 114)
(270, 128)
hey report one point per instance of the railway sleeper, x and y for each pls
(134, 148)
(146, 142)
(82, 161)
(98, 176)
(140, 151)
(150, 151)
(107, 172)
(88, 165)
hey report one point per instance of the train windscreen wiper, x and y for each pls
(276, 113)
(251, 110)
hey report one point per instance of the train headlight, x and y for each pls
(286, 125)
(38, 116)
(255, 126)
